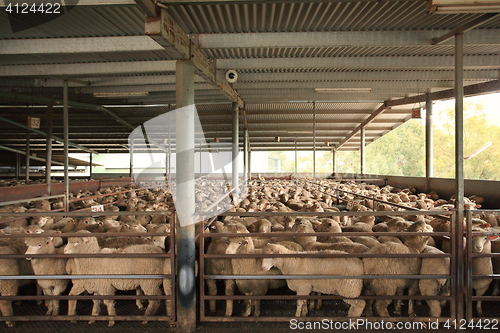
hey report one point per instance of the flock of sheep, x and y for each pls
(275, 196)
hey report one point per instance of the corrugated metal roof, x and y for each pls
(83, 21)
(314, 16)
(270, 110)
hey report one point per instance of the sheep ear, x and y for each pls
(487, 225)
(280, 252)
(246, 242)
(492, 237)
(86, 239)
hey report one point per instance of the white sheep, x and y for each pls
(395, 266)
(435, 287)
(125, 266)
(48, 266)
(348, 288)
(481, 265)
(246, 266)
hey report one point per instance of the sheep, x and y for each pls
(221, 266)
(126, 266)
(434, 287)
(481, 265)
(48, 266)
(395, 266)
(12, 267)
(349, 288)
(241, 245)
(309, 243)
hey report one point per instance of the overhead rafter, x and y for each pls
(166, 32)
(373, 63)
(78, 45)
(466, 27)
(30, 156)
(369, 75)
(336, 39)
(367, 121)
(86, 69)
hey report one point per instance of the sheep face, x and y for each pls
(478, 243)
(39, 246)
(79, 244)
(235, 244)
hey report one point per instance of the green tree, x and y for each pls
(287, 164)
(477, 132)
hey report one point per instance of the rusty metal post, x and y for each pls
(459, 164)
(48, 144)
(185, 177)
(27, 173)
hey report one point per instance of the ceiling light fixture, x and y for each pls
(463, 6)
(121, 94)
(336, 90)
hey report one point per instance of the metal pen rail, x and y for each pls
(452, 298)
(470, 276)
(172, 276)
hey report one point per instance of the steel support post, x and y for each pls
(27, 173)
(245, 155)
(185, 192)
(459, 165)
(249, 161)
(295, 156)
(18, 167)
(314, 140)
(48, 144)
(66, 140)
(428, 143)
(362, 148)
(236, 130)
(90, 167)
(131, 165)
(333, 161)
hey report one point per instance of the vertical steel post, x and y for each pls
(295, 156)
(18, 167)
(236, 131)
(429, 155)
(27, 173)
(249, 161)
(90, 167)
(200, 158)
(131, 165)
(362, 151)
(245, 155)
(48, 144)
(66, 139)
(334, 169)
(185, 191)
(314, 140)
(459, 163)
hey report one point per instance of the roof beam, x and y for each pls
(89, 69)
(367, 121)
(337, 39)
(78, 45)
(473, 89)
(421, 75)
(466, 27)
(373, 63)
(168, 33)
(147, 6)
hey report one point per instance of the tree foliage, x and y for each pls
(401, 152)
